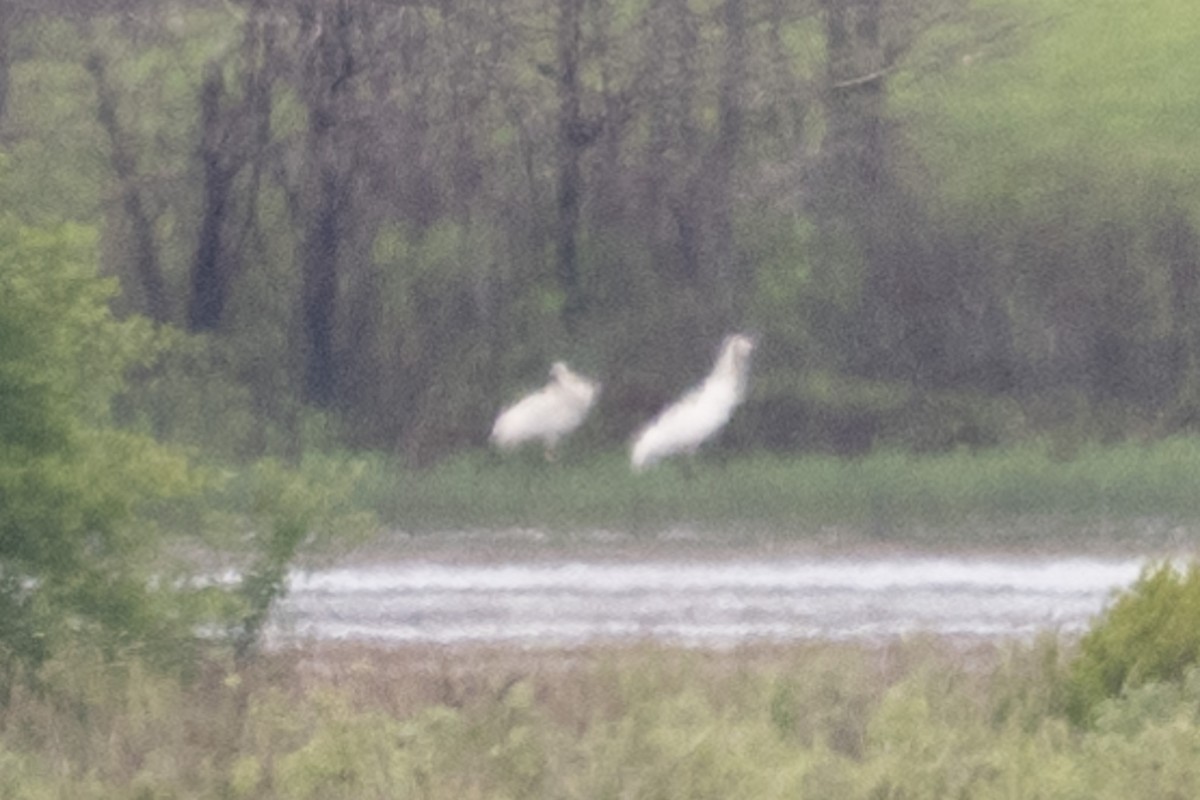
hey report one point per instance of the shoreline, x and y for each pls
(1032, 538)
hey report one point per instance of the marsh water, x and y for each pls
(676, 595)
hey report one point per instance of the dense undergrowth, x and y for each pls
(913, 720)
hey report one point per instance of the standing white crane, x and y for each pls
(548, 414)
(699, 414)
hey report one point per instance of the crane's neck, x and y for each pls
(730, 370)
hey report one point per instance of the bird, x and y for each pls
(702, 412)
(549, 414)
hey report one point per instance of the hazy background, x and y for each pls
(948, 222)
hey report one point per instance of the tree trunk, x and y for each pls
(145, 254)
(573, 137)
(329, 79)
(320, 295)
(856, 99)
(728, 274)
(673, 169)
(230, 139)
(853, 199)
(8, 21)
(210, 278)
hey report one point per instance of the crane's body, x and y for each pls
(549, 414)
(702, 412)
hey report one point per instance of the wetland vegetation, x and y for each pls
(1140, 492)
(269, 268)
(921, 719)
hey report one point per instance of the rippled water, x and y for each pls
(710, 603)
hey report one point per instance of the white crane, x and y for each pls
(548, 414)
(700, 413)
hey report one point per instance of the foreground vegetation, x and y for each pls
(1114, 715)
(913, 720)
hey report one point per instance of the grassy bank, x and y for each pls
(915, 720)
(884, 494)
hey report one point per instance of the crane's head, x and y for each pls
(581, 387)
(736, 350)
(733, 364)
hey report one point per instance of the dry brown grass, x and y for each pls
(570, 682)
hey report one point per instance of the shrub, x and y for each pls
(72, 563)
(1151, 633)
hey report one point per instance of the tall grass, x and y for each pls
(915, 720)
(882, 492)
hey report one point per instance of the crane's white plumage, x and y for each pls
(549, 414)
(700, 413)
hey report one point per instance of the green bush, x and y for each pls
(1150, 634)
(73, 563)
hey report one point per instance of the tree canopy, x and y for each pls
(950, 221)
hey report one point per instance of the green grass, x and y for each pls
(1005, 117)
(887, 493)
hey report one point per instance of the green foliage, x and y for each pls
(72, 565)
(1023, 133)
(58, 173)
(1146, 742)
(1000, 120)
(29, 422)
(424, 371)
(909, 720)
(214, 395)
(265, 517)
(82, 351)
(1150, 634)
(349, 756)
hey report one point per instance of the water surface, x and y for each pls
(565, 601)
